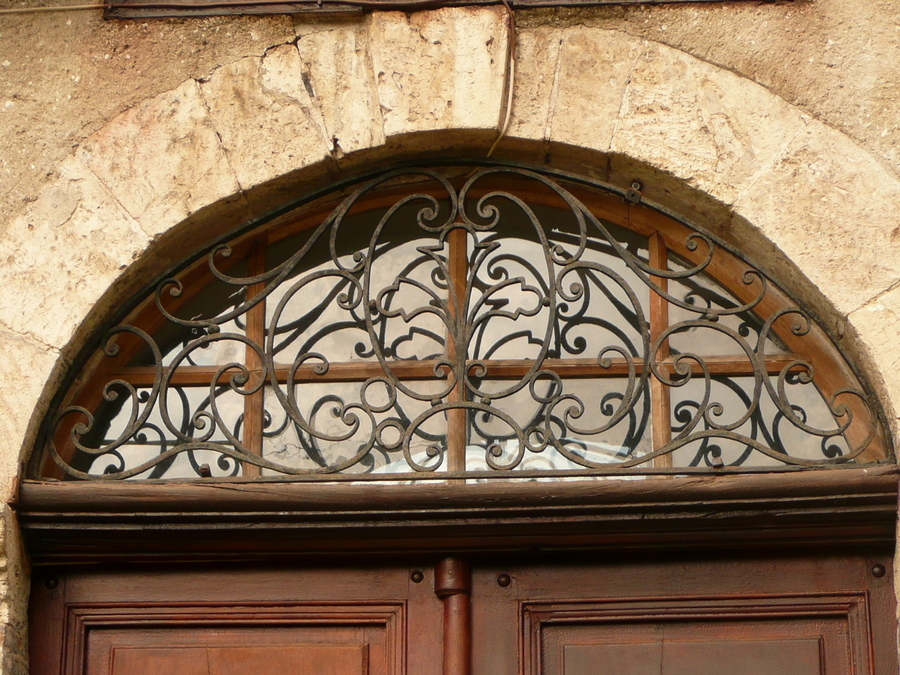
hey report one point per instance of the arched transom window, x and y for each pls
(478, 320)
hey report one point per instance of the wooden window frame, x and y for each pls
(665, 234)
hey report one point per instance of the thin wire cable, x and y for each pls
(55, 8)
(237, 4)
(163, 5)
(510, 79)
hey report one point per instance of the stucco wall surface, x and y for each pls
(123, 142)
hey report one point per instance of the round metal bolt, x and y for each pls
(878, 571)
(51, 583)
(504, 580)
(416, 576)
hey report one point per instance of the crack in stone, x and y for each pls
(112, 195)
(779, 155)
(311, 110)
(875, 298)
(624, 99)
(293, 41)
(188, 190)
(372, 78)
(31, 339)
(554, 91)
(212, 123)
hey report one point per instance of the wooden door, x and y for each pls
(600, 613)
(322, 620)
(572, 614)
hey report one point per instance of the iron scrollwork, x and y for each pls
(493, 300)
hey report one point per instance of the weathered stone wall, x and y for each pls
(121, 143)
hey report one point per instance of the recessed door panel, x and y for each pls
(774, 635)
(296, 659)
(329, 620)
(596, 614)
(798, 656)
(218, 651)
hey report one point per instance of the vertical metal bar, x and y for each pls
(453, 585)
(660, 402)
(457, 418)
(256, 330)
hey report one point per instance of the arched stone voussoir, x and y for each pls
(620, 94)
(443, 69)
(265, 118)
(63, 253)
(162, 159)
(24, 399)
(832, 208)
(877, 326)
(254, 121)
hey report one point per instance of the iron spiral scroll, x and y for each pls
(465, 320)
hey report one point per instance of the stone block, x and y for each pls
(14, 590)
(703, 124)
(337, 75)
(832, 209)
(162, 159)
(877, 325)
(594, 69)
(18, 404)
(264, 116)
(536, 77)
(441, 69)
(62, 254)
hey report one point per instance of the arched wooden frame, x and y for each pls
(809, 352)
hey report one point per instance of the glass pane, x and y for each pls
(731, 333)
(369, 292)
(743, 424)
(174, 439)
(565, 424)
(489, 302)
(189, 345)
(378, 428)
(545, 289)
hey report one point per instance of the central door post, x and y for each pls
(453, 585)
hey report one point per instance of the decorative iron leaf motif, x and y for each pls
(485, 321)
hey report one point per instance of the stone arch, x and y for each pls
(214, 151)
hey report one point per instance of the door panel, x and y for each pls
(593, 614)
(305, 659)
(348, 621)
(695, 657)
(197, 651)
(797, 635)
(608, 614)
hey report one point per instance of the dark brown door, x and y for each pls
(600, 614)
(327, 620)
(590, 615)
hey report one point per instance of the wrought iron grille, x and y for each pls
(466, 320)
